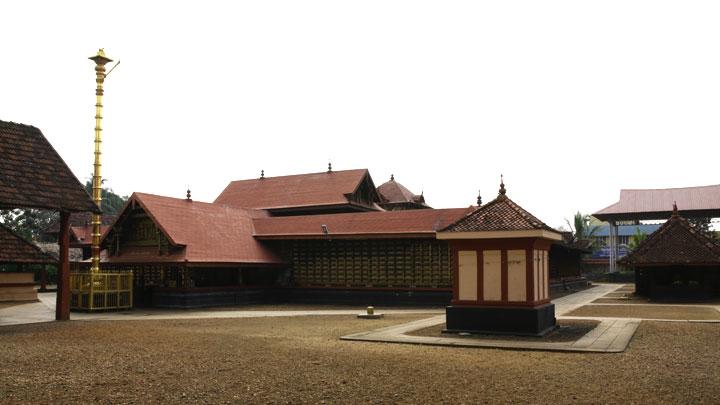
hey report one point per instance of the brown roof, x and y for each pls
(80, 220)
(654, 203)
(677, 242)
(500, 214)
(302, 190)
(409, 222)
(394, 192)
(33, 175)
(210, 233)
(15, 249)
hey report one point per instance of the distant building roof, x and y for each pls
(377, 224)
(209, 233)
(627, 230)
(302, 190)
(15, 249)
(33, 175)
(677, 242)
(647, 204)
(394, 192)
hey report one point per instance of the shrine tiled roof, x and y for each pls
(677, 242)
(500, 214)
(15, 249)
(33, 175)
(302, 190)
(394, 192)
(407, 222)
(209, 233)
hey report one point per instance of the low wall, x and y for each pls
(17, 287)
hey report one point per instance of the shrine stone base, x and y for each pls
(526, 321)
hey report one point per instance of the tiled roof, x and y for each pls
(33, 175)
(654, 203)
(79, 220)
(677, 242)
(302, 190)
(410, 222)
(210, 233)
(500, 214)
(15, 249)
(394, 192)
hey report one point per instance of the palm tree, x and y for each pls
(582, 229)
(637, 239)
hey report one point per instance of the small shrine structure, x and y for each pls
(676, 261)
(500, 270)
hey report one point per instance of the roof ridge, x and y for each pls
(265, 178)
(667, 188)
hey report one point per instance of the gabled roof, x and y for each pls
(302, 190)
(374, 224)
(15, 249)
(394, 192)
(33, 175)
(677, 242)
(653, 203)
(209, 233)
(500, 214)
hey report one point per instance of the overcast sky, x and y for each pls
(570, 100)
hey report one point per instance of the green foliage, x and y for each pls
(111, 202)
(28, 223)
(581, 227)
(637, 239)
(703, 225)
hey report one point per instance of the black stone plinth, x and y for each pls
(535, 321)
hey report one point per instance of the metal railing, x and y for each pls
(101, 291)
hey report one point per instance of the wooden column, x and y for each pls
(62, 304)
(43, 278)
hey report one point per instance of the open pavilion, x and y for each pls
(657, 204)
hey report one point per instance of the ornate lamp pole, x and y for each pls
(100, 61)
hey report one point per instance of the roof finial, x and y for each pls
(329, 167)
(479, 199)
(392, 177)
(675, 210)
(262, 174)
(502, 185)
(189, 198)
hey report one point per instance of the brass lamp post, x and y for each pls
(100, 61)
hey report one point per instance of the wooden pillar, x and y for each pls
(62, 304)
(43, 277)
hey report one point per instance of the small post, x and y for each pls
(62, 302)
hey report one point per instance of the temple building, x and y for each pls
(395, 196)
(318, 237)
(676, 261)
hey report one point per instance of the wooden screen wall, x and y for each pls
(405, 263)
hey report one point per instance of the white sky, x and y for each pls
(570, 100)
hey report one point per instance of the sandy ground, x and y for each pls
(654, 311)
(301, 360)
(568, 331)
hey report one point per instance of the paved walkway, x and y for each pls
(612, 335)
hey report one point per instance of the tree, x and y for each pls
(703, 225)
(28, 223)
(582, 229)
(637, 239)
(111, 202)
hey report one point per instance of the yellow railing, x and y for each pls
(101, 291)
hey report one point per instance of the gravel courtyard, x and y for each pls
(301, 360)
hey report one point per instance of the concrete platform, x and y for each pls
(610, 336)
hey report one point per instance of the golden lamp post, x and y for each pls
(100, 61)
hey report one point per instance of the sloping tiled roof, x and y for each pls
(210, 233)
(409, 222)
(654, 203)
(15, 249)
(33, 175)
(677, 242)
(394, 192)
(302, 190)
(500, 214)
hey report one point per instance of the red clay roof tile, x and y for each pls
(15, 249)
(500, 214)
(33, 175)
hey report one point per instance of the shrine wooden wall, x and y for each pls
(379, 263)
